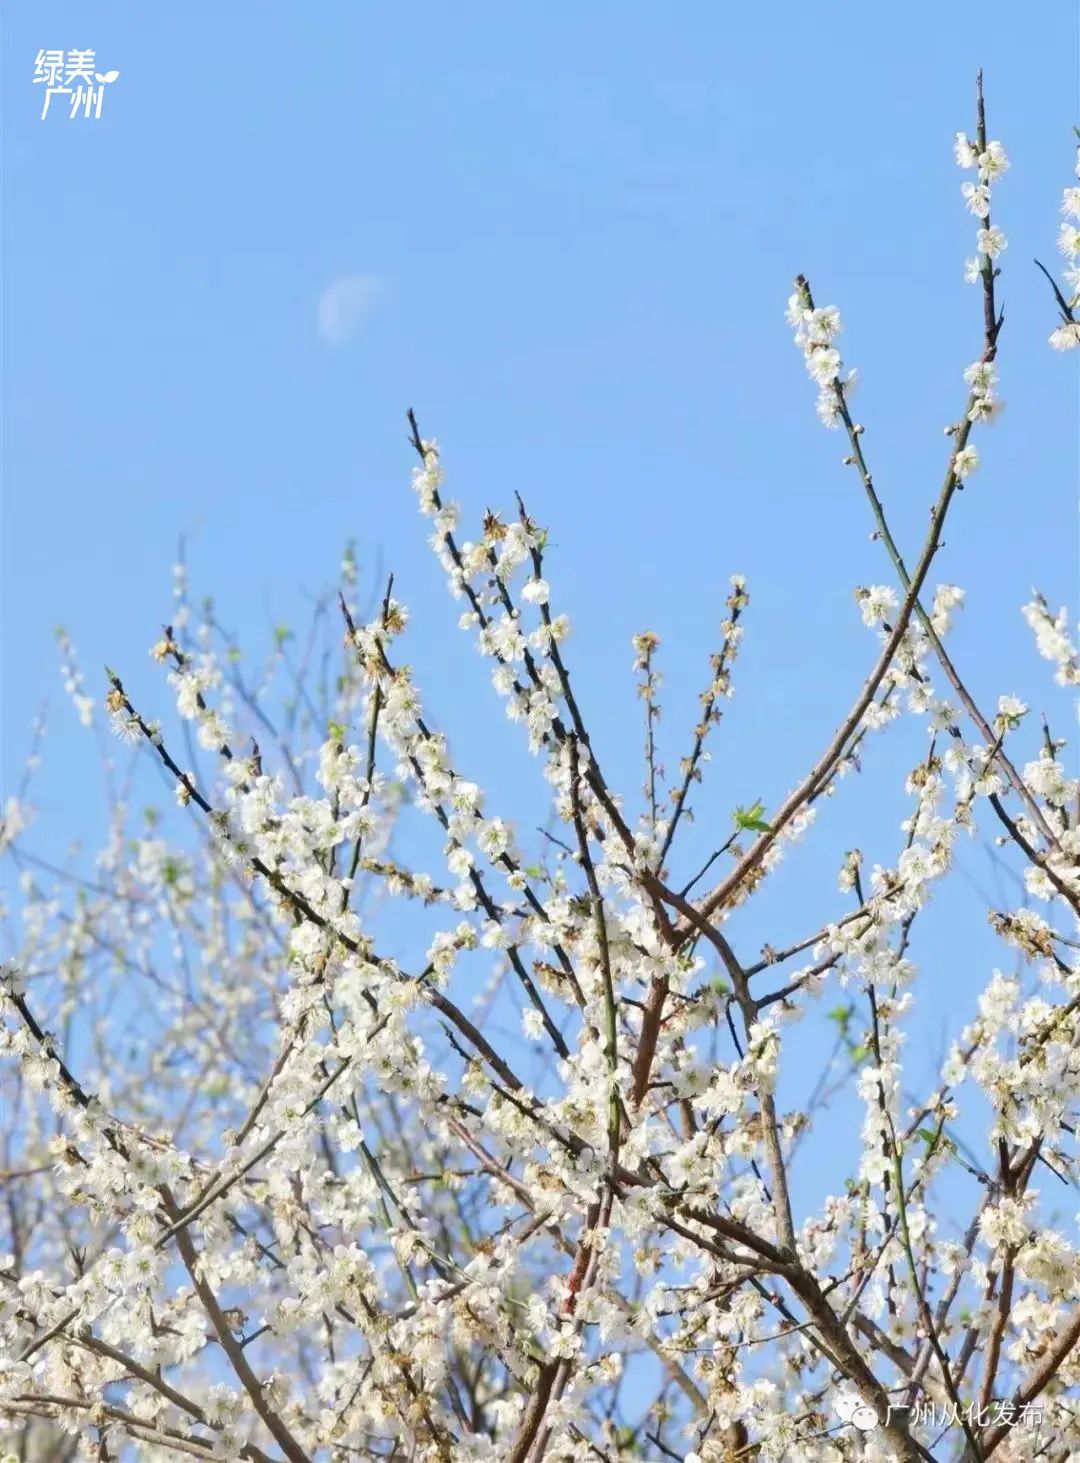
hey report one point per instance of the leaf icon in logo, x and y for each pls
(109, 76)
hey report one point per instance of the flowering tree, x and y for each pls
(270, 1192)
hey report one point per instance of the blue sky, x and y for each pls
(567, 239)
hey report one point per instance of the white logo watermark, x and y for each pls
(849, 1407)
(853, 1411)
(74, 75)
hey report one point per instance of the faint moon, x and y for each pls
(345, 306)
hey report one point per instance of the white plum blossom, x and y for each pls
(965, 462)
(1066, 335)
(536, 591)
(991, 163)
(359, 1102)
(877, 603)
(1052, 640)
(991, 242)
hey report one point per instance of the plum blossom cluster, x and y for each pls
(344, 1118)
(816, 331)
(1066, 336)
(1052, 639)
(989, 163)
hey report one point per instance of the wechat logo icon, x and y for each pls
(850, 1408)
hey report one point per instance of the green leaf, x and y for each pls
(751, 818)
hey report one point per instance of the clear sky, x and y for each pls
(565, 236)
